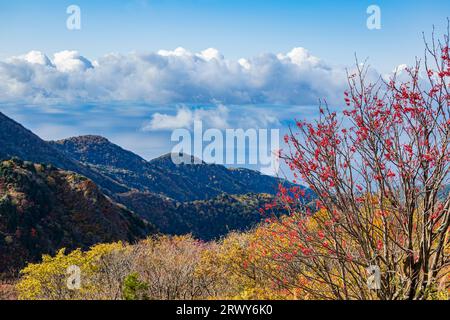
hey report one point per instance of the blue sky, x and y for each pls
(331, 30)
(271, 62)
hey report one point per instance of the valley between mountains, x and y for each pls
(81, 191)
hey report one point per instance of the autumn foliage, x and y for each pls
(379, 168)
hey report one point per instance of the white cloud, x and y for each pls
(185, 117)
(71, 61)
(210, 54)
(34, 57)
(220, 117)
(178, 52)
(400, 68)
(300, 57)
(177, 76)
(244, 63)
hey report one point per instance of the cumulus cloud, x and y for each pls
(185, 117)
(71, 61)
(177, 76)
(33, 57)
(219, 117)
(210, 54)
(182, 119)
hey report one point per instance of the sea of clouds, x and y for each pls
(178, 76)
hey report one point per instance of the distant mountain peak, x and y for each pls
(117, 170)
(98, 150)
(205, 199)
(183, 158)
(85, 139)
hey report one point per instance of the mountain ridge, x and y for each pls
(18, 141)
(177, 198)
(44, 209)
(187, 181)
(117, 170)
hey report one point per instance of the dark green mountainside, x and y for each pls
(116, 170)
(183, 182)
(204, 219)
(43, 209)
(17, 141)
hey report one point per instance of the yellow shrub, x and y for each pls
(48, 280)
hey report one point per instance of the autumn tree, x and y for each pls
(157, 268)
(379, 169)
